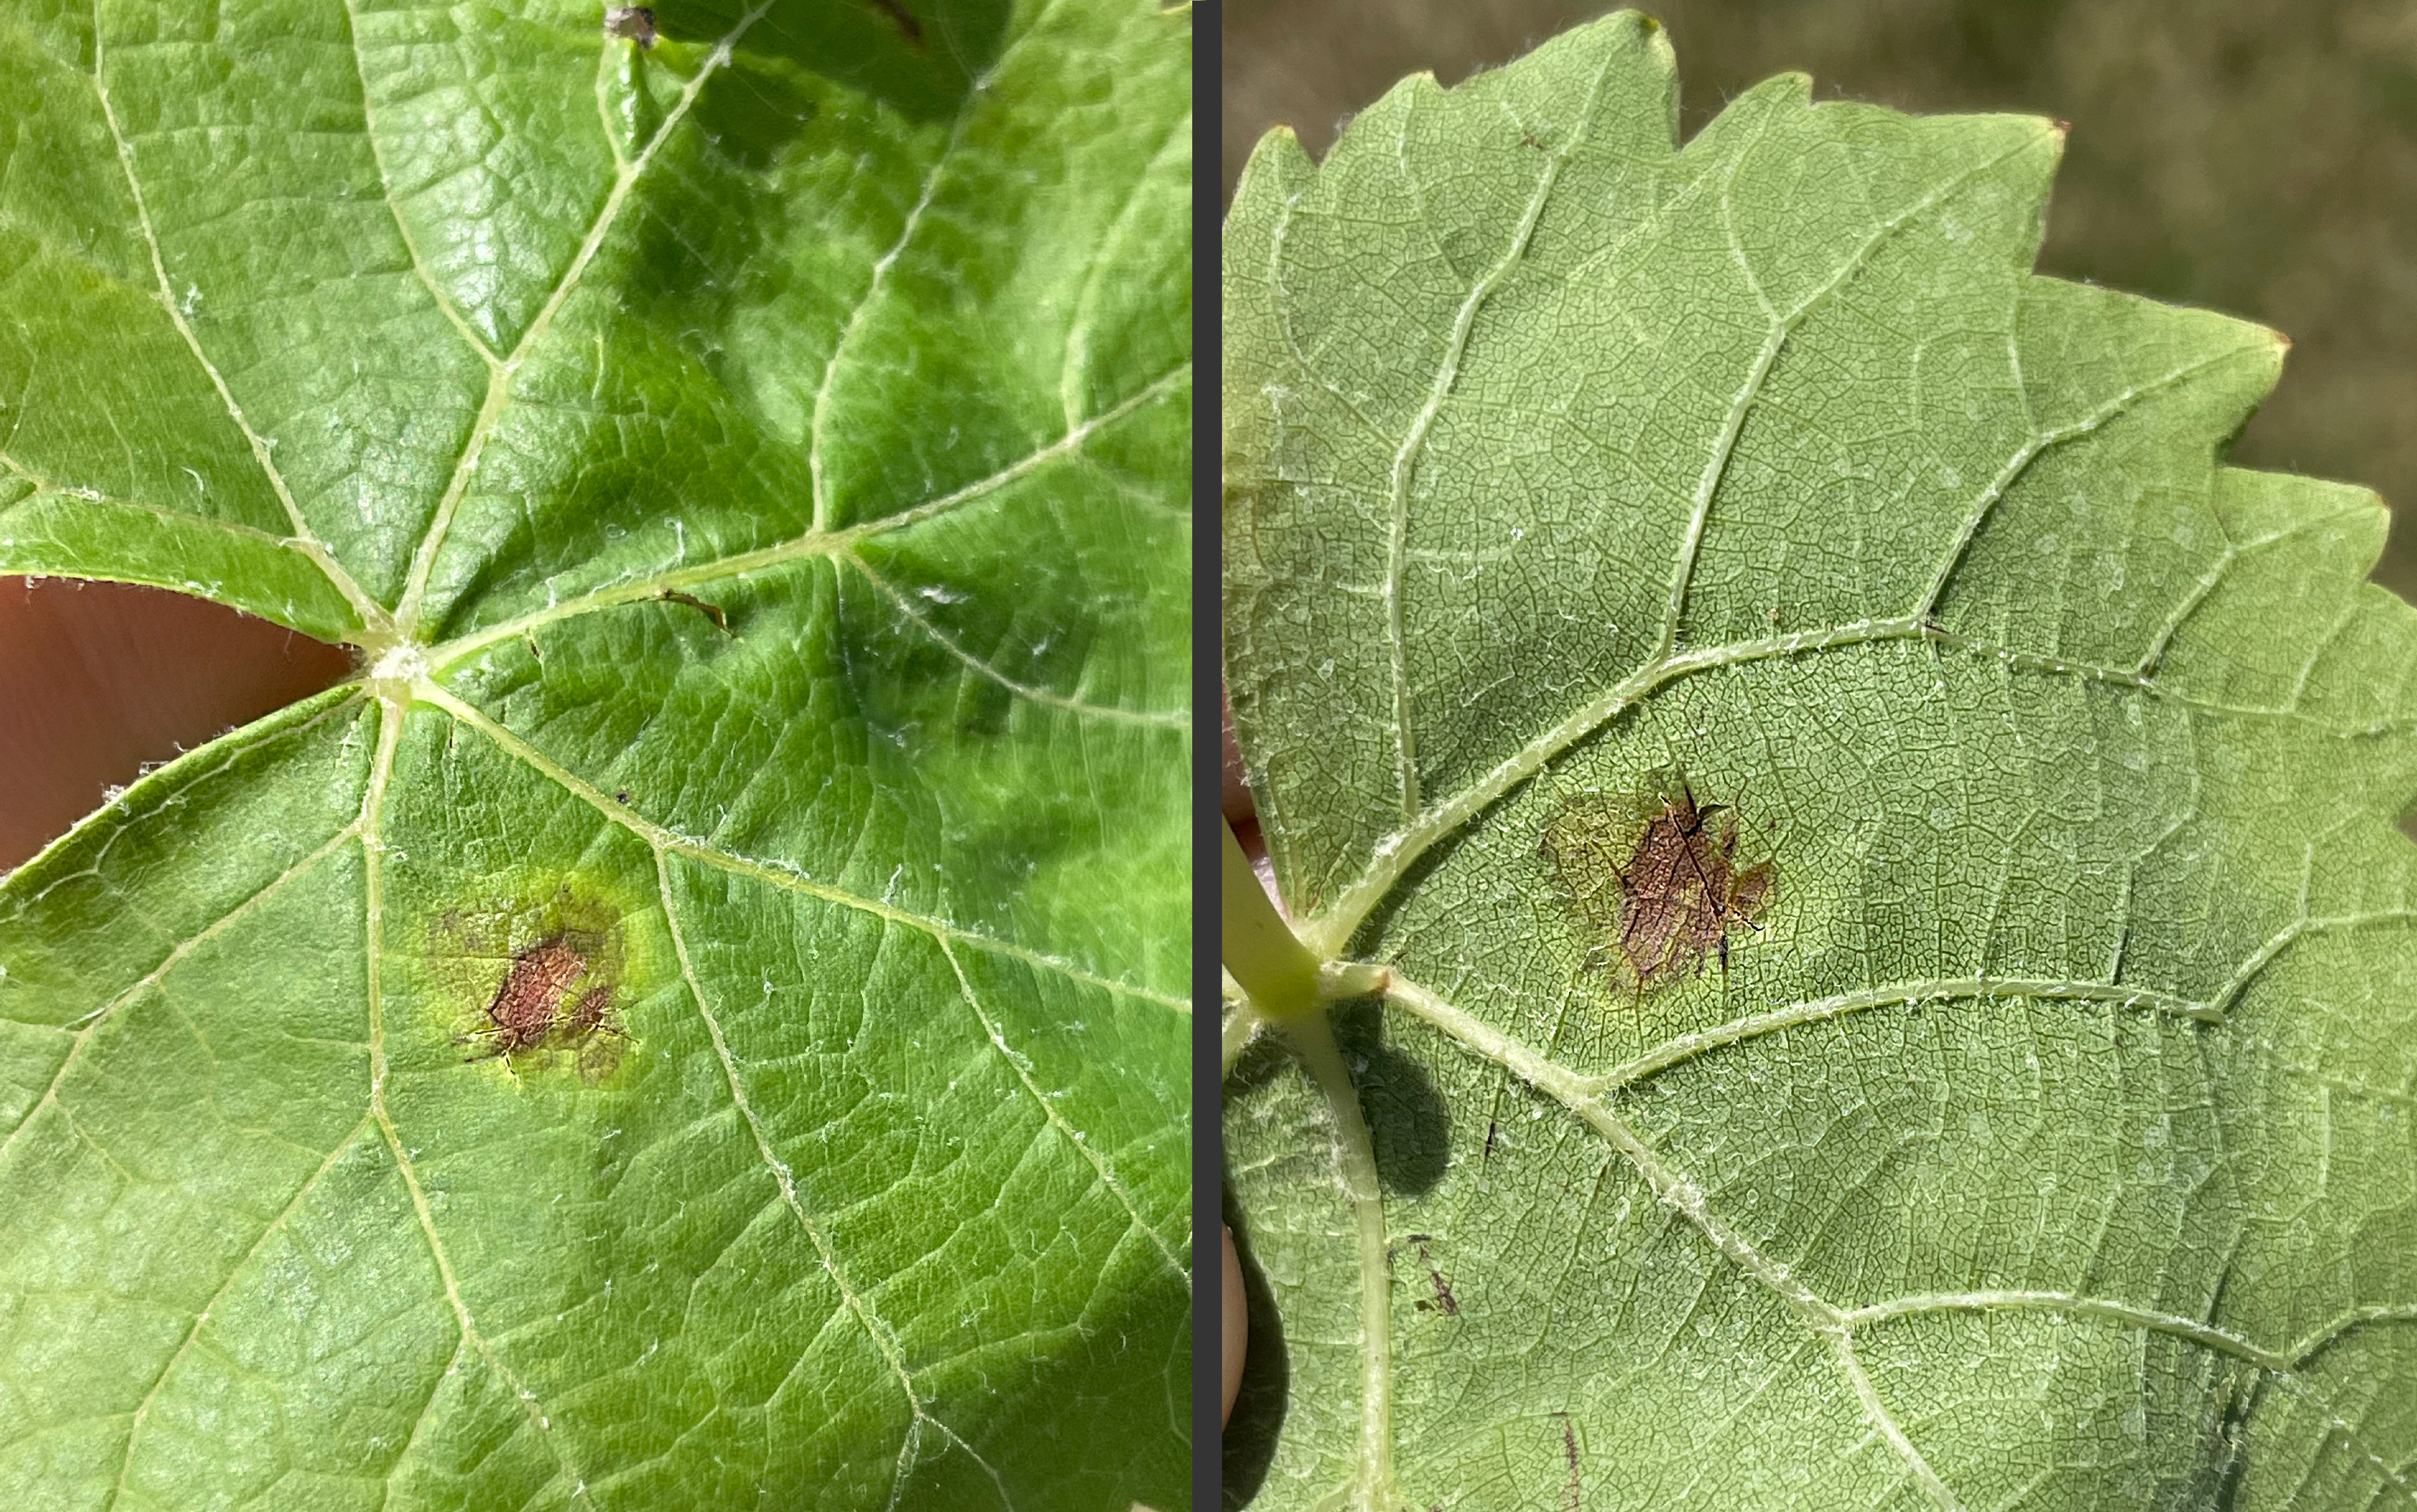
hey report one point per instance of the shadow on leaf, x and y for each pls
(1407, 1118)
(1257, 1426)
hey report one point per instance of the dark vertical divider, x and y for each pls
(1207, 705)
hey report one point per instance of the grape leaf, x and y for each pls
(699, 1020)
(1609, 519)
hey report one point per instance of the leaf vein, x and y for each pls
(2038, 445)
(373, 615)
(1414, 442)
(1018, 1063)
(385, 192)
(985, 669)
(1330, 931)
(236, 528)
(873, 286)
(202, 1315)
(1682, 1197)
(812, 544)
(94, 1020)
(469, 1329)
(883, 1337)
(500, 376)
(1078, 328)
(662, 839)
(427, 1409)
(1716, 468)
(1683, 1047)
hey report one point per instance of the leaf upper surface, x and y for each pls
(753, 472)
(2043, 1139)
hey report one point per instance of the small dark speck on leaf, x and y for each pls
(1445, 1301)
(711, 611)
(632, 23)
(1574, 1494)
(907, 26)
(621, 797)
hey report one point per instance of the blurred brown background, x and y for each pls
(2258, 156)
(99, 680)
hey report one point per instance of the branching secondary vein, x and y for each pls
(1684, 1048)
(1018, 1063)
(372, 615)
(469, 1328)
(884, 1338)
(1329, 931)
(880, 274)
(812, 544)
(500, 378)
(236, 529)
(101, 1016)
(1040, 696)
(372, 827)
(662, 839)
(1682, 1196)
(1176, 148)
(1835, 1324)
(202, 1314)
(385, 192)
(1405, 457)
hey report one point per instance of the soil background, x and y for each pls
(2256, 157)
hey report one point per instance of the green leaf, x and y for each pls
(754, 471)
(2043, 1135)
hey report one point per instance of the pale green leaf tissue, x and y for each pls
(753, 472)
(2049, 1139)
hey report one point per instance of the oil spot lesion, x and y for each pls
(1446, 1302)
(534, 984)
(532, 1008)
(632, 23)
(1574, 1490)
(714, 612)
(1653, 881)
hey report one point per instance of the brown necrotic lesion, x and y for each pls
(529, 1001)
(548, 978)
(1654, 882)
(532, 1008)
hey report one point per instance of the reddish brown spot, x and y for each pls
(587, 1016)
(529, 999)
(1667, 899)
(903, 18)
(632, 23)
(1445, 1301)
(711, 611)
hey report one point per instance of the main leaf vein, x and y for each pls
(500, 377)
(372, 615)
(660, 838)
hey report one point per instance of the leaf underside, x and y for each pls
(754, 471)
(2046, 1140)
